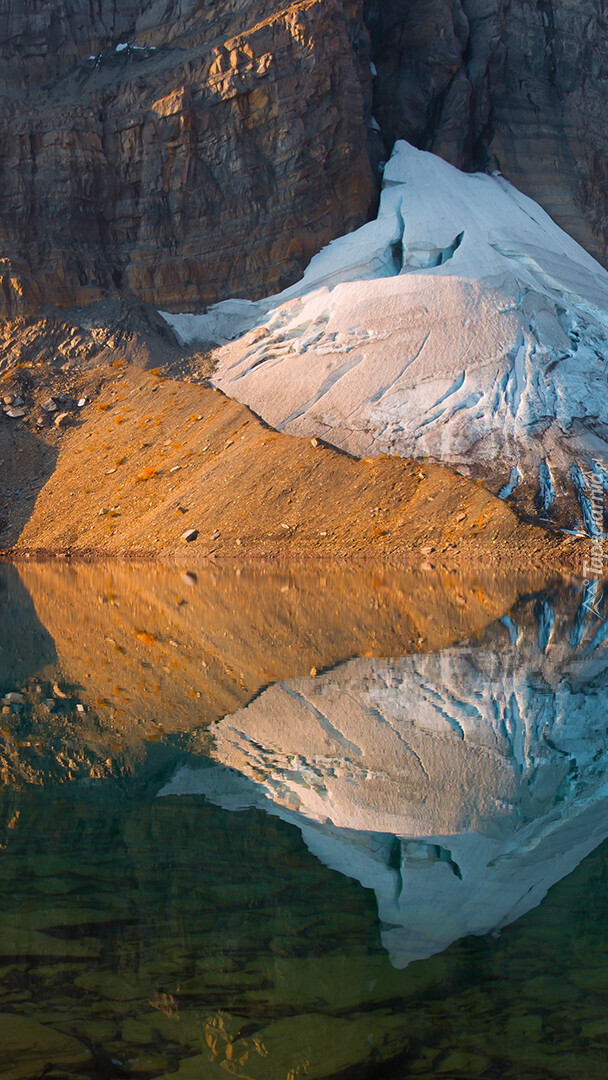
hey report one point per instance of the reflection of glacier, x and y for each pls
(459, 786)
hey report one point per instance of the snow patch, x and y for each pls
(458, 273)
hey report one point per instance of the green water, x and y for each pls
(167, 937)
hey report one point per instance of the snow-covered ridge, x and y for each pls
(462, 325)
(459, 785)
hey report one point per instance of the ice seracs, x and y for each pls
(462, 324)
(459, 786)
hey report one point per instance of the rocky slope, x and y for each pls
(190, 152)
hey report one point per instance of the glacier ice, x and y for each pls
(459, 786)
(476, 332)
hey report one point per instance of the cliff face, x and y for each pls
(190, 150)
(185, 151)
(515, 85)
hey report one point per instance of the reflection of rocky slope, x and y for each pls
(459, 785)
(146, 655)
(461, 325)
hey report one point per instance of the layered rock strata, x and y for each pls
(185, 154)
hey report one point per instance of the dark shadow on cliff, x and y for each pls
(26, 464)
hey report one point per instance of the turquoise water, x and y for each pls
(192, 904)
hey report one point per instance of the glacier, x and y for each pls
(462, 325)
(458, 785)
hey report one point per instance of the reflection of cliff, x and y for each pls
(459, 785)
(25, 645)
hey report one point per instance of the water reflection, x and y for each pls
(459, 785)
(168, 939)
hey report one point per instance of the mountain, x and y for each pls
(190, 151)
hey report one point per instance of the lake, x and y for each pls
(272, 825)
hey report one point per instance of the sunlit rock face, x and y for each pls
(461, 325)
(459, 785)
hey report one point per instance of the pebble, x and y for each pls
(82, 402)
(215, 535)
(61, 419)
(79, 707)
(15, 413)
(8, 399)
(14, 698)
(6, 710)
(49, 406)
(189, 535)
(314, 442)
(460, 517)
(40, 421)
(175, 468)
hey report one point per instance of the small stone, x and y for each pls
(14, 698)
(104, 510)
(58, 692)
(189, 578)
(314, 442)
(15, 414)
(82, 402)
(215, 535)
(284, 525)
(427, 566)
(426, 550)
(50, 405)
(18, 401)
(189, 535)
(61, 419)
(238, 541)
(8, 399)
(175, 468)
(79, 707)
(313, 672)
(40, 421)
(460, 517)
(110, 471)
(6, 710)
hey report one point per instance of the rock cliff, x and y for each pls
(185, 151)
(189, 150)
(515, 85)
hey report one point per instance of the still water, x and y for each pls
(272, 826)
